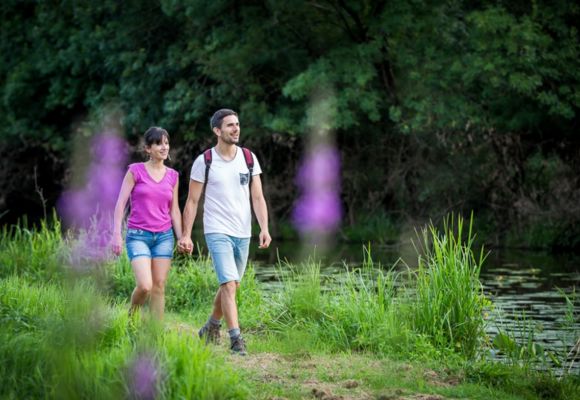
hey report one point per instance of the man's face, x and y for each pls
(229, 132)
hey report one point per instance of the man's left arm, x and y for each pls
(261, 211)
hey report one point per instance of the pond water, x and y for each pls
(521, 284)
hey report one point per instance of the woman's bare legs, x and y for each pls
(159, 270)
(144, 282)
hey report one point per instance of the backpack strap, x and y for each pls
(249, 163)
(207, 158)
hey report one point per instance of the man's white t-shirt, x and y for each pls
(227, 194)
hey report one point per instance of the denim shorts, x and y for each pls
(229, 255)
(141, 243)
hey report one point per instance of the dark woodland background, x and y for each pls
(437, 106)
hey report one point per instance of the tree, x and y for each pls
(443, 97)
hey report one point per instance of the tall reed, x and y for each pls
(363, 311)
(302, 295)
(449, 300)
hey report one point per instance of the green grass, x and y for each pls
(439, 311)
(449, 302)
(71, 342)
(393, 330)
(35, 253)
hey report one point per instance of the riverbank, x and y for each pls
(368, 333)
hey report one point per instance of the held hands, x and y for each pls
(185, 245)
(265, 240)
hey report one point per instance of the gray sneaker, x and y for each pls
(238, 346)
(211, 333)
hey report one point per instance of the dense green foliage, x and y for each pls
(435, 105)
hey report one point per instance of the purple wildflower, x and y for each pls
(144, 378)
(91, 207)
(318, 210)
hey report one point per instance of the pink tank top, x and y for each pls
(150, 200)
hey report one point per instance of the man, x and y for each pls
(226, 221)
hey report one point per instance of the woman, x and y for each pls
(152, 189)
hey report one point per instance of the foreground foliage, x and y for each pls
(69, 342)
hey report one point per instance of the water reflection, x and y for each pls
(524, 285)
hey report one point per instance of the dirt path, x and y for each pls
(330, 377)
(339, 377)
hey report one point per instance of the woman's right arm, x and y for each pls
(124, 193)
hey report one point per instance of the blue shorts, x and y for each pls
(141, 243)
(229, 255)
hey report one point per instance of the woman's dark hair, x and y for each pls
(154, 135)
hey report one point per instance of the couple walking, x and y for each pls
(231, 180)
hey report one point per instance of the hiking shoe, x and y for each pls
(211, 333)
(238, 346)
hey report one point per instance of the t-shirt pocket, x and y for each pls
(244, 178)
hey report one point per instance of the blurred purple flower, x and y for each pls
(320, 169)
(144, 377)
(109, 147)
(75, 206)
(317, 212)
(91, 207)
(318, 209)
(104, 184)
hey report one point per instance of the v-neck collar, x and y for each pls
(151, 177)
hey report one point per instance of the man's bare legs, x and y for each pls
(224, 304)
(229, 309)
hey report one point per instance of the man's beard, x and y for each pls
(229, 140)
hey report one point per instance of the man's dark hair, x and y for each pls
(218, 117)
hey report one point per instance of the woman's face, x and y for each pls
(159, 152)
